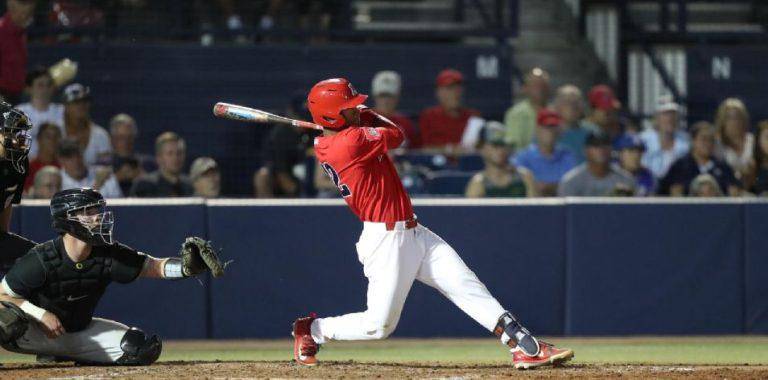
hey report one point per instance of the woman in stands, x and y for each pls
(735, 141)
(757, 178)
(499, 178)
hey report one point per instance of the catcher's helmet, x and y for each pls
(15, 131)
(81, 212)
(328, 98)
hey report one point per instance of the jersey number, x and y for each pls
(343, 188)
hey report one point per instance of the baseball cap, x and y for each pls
(448, 77)
(548, 118)
(630, 141)
(386, 82)
(201, 165)
(75, 92)
(666, 103)
(598, 138)
(602, 97)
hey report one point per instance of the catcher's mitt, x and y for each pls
(197, 256)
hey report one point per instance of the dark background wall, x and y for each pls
(570, 268)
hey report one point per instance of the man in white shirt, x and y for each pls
(74, 172)
(40, 109)
(664, 143)
(93, 139)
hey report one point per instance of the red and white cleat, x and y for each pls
(548, 355)
(304, 347)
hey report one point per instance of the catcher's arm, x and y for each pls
(196, 257)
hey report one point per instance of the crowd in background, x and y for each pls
(552, 142)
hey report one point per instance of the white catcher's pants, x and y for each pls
(392, 260)
(99, 343)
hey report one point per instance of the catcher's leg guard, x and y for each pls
(513, 334)
(13, 323)
(139, 349)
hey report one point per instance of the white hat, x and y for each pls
(386, 82)
(666, 103)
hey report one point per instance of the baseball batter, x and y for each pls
(54, 289)
(394, 248)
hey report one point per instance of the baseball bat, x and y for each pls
(242, 113)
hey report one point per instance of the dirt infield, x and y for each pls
(353, 370)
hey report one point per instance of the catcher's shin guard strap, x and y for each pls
(513, 334)
(172, 269)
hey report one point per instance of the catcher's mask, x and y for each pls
(15, 136)
(82, 213)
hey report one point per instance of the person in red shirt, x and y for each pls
(13, 48)
(48, 140)
(394, 248)
(443, 125)
(386, 96)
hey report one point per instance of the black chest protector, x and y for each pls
(72, 290)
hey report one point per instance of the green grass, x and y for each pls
(700, 350)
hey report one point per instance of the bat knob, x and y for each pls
(219, 109)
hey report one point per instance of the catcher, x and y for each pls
(53, 290)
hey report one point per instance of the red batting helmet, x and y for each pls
(328, 98)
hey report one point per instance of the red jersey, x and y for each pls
(13, 57)
(412, 137)
(356, 160)
(438, 128)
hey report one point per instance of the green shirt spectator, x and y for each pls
(520, 120)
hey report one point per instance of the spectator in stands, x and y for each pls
(569, 104)
(735, 142)
(605, 112)
(521, 118)
(757, 180)
(597, 177)
(123, 132)
(442, 126)
(168, 180)
(701, 160)
(13, 48)
(499, 178)
(40, 109)
(544, 158)
(49, 138)
(631, 150)
(47, 182)
(75, 173)
(666, 141)
(704, 185)
(93, 139)
(127, 170)
(206, 178)
(386, 96)
(284, 148)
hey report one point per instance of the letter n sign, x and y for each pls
(721, 68)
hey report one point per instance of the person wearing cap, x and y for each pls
(631, 148)
(93, 139)
(40, 108)
(569, 103)
(13, 48)
(75, 174)
(597, 177)
(47, 182)
(705, 186)
(666, 141)
(206, 178)
(700, 160)
(499, 178)
(521, 118)
(545, 159)
(443, 125)
(169, 179)
(385, 89)
(284, 148)
(605, 112)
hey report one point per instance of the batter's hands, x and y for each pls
(51, 325)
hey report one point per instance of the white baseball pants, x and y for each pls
(99, 343)
(392, 260)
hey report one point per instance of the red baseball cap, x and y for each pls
(548, 118)
(448, 77)
(602, 97)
